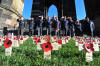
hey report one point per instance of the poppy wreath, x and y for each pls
(7, 43)
(47, 47)
(59, 42)
(88, 47)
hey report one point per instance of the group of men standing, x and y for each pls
(60, 27)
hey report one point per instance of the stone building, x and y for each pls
(10, 10)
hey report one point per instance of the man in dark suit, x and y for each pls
(71, 26)
(40, 26)
(66, 25)
(54, 25)
(90, 26)
(86, 26)
(31, 26)
(78, 28)
(49, 25)
(62, 25)
(21, 25)
(58, 27)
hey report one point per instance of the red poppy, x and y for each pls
(93, 40)
(15, 38)
(59, 42)
(21, 38)
(47, 47)
(4, 37)
(80, 42)
(54, 37)
(34, 38)
(7, 43)
(67, 38)
(88, 47)
(38, 41)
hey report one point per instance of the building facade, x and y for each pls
(64, 7)
(10, 10)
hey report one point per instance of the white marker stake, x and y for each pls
(15, 43)
(12, 36)
(2, 42)
(80, 47)
(96, 47)
(67, 41)
(59, 46)
(39, 46)
(89, 56)
(25, 38)
(34, 41)
(76, 43)
(55, 46)
(21, 41)
(43, 41)
(8, 51)
(47, 55)
(63, 41)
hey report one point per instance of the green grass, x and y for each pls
(27, 55)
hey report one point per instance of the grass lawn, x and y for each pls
(28, 55)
